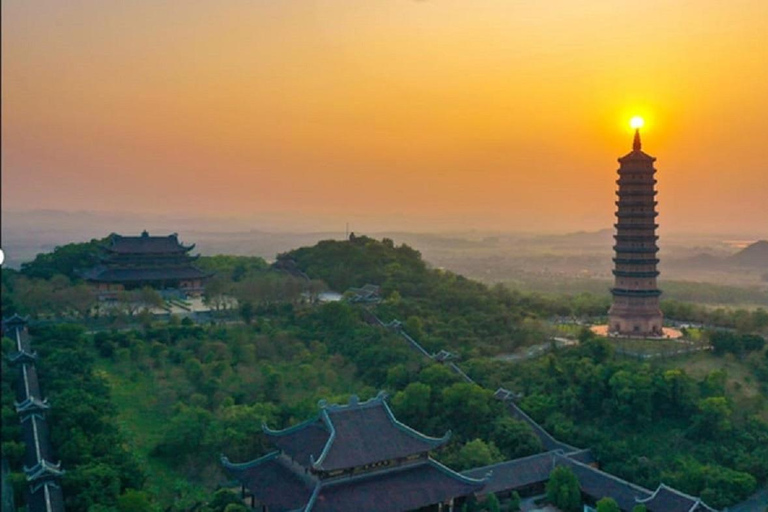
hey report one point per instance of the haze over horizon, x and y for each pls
(389, 114)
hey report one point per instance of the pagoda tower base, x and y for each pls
(634, 323)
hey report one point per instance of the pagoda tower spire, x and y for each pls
(635, 309)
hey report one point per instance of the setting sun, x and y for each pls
(636, 122)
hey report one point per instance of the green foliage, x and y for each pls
(65, 260)
(515, 439)
(514, 502)
(639, 508)
(608, 505)
(222, 499)
(83, 422)
(474, 454)
(233, 268)
(492, 503)
(563, 490)
(640, 420)
(727, 341)
(135, 501)
(440, 309)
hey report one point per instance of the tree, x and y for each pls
(713, 419)
(639, 508)
(492, 503)
(476, 454)
(413, 403)
(514, 502)
(247, 312)
(134, 501)
(514, 438)
(608, 505)
(563, 490)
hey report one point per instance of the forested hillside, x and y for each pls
(141, 414)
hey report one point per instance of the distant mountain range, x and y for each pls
(754, 256)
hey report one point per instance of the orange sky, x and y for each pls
(492, 114)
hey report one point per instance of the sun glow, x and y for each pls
(636, 122)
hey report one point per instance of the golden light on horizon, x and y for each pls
(636, 122)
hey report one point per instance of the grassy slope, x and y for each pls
(741, 382)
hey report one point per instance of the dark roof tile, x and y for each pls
(399, 489)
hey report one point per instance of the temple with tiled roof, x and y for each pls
(43, 493)
(349, 458)
(160, 262)
(529, 475)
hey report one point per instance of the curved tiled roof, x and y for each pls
(301, 442)
(273, 481)
(352, 435)
(396, 490)
(668, 499)
(145, 244)
(117, 274)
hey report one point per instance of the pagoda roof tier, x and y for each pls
(102, 273)
(635, 202)
(281, 487)
(636, 215)
(636, 156)
(635, 250)
(628, 261)
(146, 244)
(639, 193)
(630, 273)
(624, 225)
(627, 181)
(635, 238)
(347, 436)
(622, 292)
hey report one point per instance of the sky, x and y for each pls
(395, 114)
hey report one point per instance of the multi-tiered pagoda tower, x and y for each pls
(635, 310)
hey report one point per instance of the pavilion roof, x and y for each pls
(280, 484)
(145, 244)
(347, 436)
(398, 489)
(274, 482)
(106, 274)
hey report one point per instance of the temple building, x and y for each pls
(635, 309)
(160, 262)
(349, 458)
(359, 457)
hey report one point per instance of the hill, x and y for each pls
(755, 255)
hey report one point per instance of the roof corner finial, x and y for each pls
(637, 145)
(145, 234)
